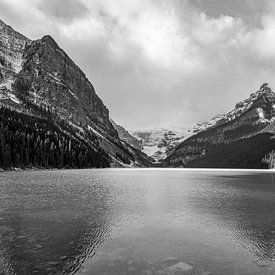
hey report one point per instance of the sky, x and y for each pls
(159, 63)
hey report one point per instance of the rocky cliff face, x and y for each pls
(250, 117)
(12, 45)
(158, 143)
(54, 80)
(38, 76)
(126, 136)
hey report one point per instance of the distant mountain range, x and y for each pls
(159, 143)
(241, 138)
(51, 116)
(50, 113)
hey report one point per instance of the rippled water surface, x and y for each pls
(137, 221)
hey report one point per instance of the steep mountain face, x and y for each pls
(12, 45)
(158, 143)
(250, 118)
(51, 78)
(126, 136)
(38, 78)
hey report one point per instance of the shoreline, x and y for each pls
(15, 169)
(200, 169)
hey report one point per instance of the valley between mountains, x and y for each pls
(52, 117)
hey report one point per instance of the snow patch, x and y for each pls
(55, 77)
(96, 132)
(76, 126)
(72, 93)
(154, 150)
(260, 113)
(13, 98)
(5, 91)
(7, 84)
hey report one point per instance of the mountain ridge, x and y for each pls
(38, 78)
(249, 118)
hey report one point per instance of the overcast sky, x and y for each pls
(159, 63)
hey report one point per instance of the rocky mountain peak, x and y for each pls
(49, 39)
(58, 82)
(50, 78)
(8, 30)
(265, 88)
(12, 44)
(38, 79)
(267, 93)
(48, 42)
(249, 118)
(263, 91)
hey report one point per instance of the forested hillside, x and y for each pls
(31, 141)
(51, 115)
(240, 138)
(245, 153)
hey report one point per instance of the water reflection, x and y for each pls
(252, 222)
(56, 225)
(197, 217)
(133, 222)
(244, 208)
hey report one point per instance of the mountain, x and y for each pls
(39, 81)
(160, 143)
(241, 138)
(157, 143)
(126, 136)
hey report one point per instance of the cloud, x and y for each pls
(63, 11)
(159, 62)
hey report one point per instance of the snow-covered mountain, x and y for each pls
(38, 79)
(51, 116)
(158, 143)
(239, 138)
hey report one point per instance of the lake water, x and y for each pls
(137, 221)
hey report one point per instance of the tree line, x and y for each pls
(30, 141)
(253, 153)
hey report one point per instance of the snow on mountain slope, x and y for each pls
(158, 143)
(254, 116)
(39, 79)
(241, 107)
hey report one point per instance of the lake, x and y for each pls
(137, 221)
